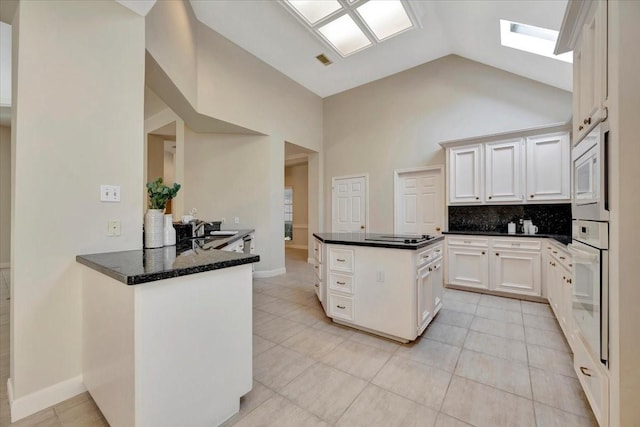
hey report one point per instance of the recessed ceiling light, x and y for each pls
(385, 18)
(530, 38)
(313, 11)
(345, 35)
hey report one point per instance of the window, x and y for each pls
(288, 213)
(353, 25)
(530, 38)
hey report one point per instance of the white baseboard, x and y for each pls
(269, 273)
(5, 264)
(42, 399)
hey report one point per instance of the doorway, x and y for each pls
(161, 152)
(419, 201)
(350, 203)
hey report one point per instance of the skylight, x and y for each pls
(349, 26)
(530, 38)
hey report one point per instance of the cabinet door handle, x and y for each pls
(341, 307)
(315, 266)
(477, 198)
(580, 127)
(341, 283)
(497, 254)
(430, 268)
(532, 196)
(569, 281)
(570, 265)
(340, 260)
(483, 252)
(562, 257)
(317, 285)
(585, 371)
(555, 252)
(489, 197)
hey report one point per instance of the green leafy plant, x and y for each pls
(160, 194)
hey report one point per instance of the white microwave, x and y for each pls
(590, 176)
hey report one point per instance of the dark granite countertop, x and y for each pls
(558, 237)
(149, 265)
(361, 239)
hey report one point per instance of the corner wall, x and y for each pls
(77, 123)
(397, 122)
(240, 176)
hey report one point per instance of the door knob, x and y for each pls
(362, 227)
(437, 228)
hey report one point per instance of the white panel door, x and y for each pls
(548, 168)
(349, 204)
(419, 201)
(465, 174)
(503, 171)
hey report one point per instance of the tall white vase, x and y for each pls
(153, 228)
(169, 231)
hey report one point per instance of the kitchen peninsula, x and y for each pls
(166, 335)
(386, 284)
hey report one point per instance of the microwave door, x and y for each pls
(586, 178)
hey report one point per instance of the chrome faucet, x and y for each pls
(198, 228)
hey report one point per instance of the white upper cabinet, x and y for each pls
(548, 168)
(465, 174)
(590, 72)
(503, 171)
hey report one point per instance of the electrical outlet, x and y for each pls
(222, 220)
(109, 193)
(113, 227)
(236, 220)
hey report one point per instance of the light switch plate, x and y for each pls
(109, 193)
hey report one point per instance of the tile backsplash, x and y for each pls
(550, 219)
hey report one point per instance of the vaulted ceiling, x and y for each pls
(469, 28)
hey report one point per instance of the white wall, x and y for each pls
(296, 177)
(5, 195)
(624, 110)
(155, 157)
(397, 122)
(78, 123)
(240, 176)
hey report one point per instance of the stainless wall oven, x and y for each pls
(590, 302)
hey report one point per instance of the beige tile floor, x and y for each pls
(484, 361)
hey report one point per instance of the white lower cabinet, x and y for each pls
(516, 271)
(594, 380)
(319, 283)
(391, 292)
(425, 301)
(497, 264)
(467, 261)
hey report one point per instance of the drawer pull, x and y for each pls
(430, 268)
(562, 257)
(315, 266)
(467, 242)
(585, 371)
(569, 280)
(555, 252)
(341, 283)
(570, 265)
(340, 260)
(341, 307)
(549, 247)
(317, 285)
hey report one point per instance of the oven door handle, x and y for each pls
(580, 253)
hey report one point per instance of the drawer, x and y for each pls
(429, 254)
(317, 268)
(524, 243)
(559, 254)
(317, 250)
(593, 379)
(340, 307)
(341, 260)
(341, 283)
(468, 241)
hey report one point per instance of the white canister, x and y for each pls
(169, 231)
(153, 228)
(511, 228)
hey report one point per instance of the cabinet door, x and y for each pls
(436, 286)
(566, 315)
(503, 171)
(548, 168)
(516, 272)
(468, 267)
(465, 174)
(553, 286)
(425, 311)
(590, 72)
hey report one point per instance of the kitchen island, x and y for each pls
(167, 335)
(385, 284)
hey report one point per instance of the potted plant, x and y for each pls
(159, 195)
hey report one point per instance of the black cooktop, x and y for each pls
(397, 238)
